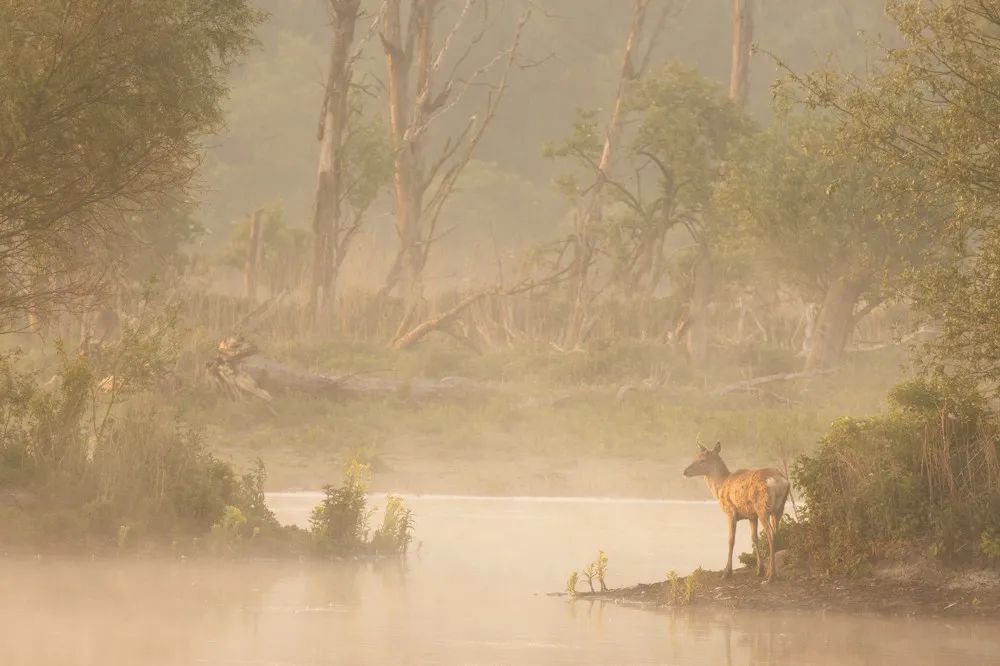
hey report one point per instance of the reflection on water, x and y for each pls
(474, 593)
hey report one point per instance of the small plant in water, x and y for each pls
(602, 569)
(571, 584)
(590, 573)
(396, 532)
(691, 585)
(340, 522)
(673, 586)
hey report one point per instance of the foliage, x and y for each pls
(281, 250)
(809, 206)
(673, 160)
(339, 523)
(396, 532)
(682, 594)
(102, 106)
(926, 115)
(601, 569)
(927, 474)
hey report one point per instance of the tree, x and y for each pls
(812, 209)
(598, 158)
(102, 105)
(686, 130)
(416, 103)
(927, 116)
(354, 163)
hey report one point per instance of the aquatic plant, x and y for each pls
(396, 531)
(590, 573)
(602, 569)
(673, 587)
(339, 523)
(571, 584)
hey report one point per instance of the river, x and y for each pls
(472, 591)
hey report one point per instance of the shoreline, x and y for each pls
(890, 592)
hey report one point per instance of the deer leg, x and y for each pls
(769, 531)
(756, 547)
(732, 542)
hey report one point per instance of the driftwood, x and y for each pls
(240, 371)
(749, 384)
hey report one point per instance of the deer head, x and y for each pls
(706, 463)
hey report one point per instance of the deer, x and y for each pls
(755, 495)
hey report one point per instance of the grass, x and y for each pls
(544, 409)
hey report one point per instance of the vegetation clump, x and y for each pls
(926, 475)
(340, 523)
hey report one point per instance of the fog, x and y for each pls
(475, 592)
(499, 332)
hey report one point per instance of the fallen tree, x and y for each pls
(240, 371)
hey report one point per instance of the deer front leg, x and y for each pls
(732, 542)
(756, 547)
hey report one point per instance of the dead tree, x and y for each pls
(333, 122)
(739, 75)
(416, 101)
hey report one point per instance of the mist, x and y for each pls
(499, 331)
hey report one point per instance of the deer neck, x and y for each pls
(717, 478)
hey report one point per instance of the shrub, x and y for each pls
(396, 532)
(340, 522)
(924, 475)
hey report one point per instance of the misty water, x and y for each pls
(473, 591)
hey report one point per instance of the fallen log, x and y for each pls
(748, 384)
(240, 371)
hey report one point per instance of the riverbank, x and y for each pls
(917, 589)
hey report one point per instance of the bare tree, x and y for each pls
(416, 101)
(350, 170)
(589, 216)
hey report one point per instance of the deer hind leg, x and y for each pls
(756, 547)
(732, 542)
(769, 532)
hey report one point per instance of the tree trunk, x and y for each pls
(333, 121)
(254, 249)
(405, 113)
(739, 75)
(698, 331)
(834, 325)
(591, 214)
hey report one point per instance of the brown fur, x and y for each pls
(756, 495)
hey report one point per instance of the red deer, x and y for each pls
(746, 494)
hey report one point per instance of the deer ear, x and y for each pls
(718, 447)
(702, 448)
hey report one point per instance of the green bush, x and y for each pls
(340, 522)
(925, 476)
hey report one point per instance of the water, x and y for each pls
(473, 593)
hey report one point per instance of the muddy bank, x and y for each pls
(914, 590)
